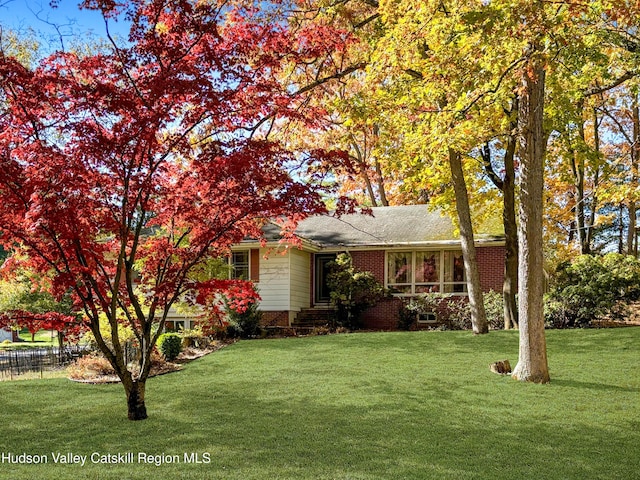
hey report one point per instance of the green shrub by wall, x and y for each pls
(170, 345)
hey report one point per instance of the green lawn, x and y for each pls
(414, 405)
(42, 339)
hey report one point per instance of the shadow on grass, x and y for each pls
(593, 386)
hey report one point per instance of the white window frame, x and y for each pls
(232, 265)
(445, 287)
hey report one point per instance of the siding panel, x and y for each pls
(274, 282)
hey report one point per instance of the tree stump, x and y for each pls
(501, 368)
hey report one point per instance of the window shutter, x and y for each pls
(254, 269)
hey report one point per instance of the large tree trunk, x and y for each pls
(532, 362)
(381, 186)
(476, 301)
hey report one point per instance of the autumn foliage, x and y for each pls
(68, 326)
(123, 170)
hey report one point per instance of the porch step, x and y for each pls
(313, 317)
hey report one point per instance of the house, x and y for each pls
(10, 335)
(409, 249)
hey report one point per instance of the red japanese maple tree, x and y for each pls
(122, 171)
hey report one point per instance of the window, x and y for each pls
(411, 273)
(400, 271)
(454, 279)
(239, 265)
(174, 326)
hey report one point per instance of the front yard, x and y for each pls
(413, 405)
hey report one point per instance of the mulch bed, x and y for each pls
(189, 354)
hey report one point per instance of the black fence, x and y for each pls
(18, 362)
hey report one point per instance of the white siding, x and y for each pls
(300, 280)
(5, 335)
(274, 282)
(285, 281)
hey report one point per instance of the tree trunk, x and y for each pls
(476, 301)
(596, 177)
(359, 159)
(532, 362)
(137, 409)
(381, 187)
(510, 284)
(578, 170)
(632, 247)
(507, 187)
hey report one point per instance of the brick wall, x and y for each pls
(384, 316)
(275, 319)
(372, 261)
(491, 266)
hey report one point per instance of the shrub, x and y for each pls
(194, 337)
(590, 288)
(90, 366)
(245, 324)
(170, 345)
(443, 306)
(452, 311)
(494, 309)
(352, 291)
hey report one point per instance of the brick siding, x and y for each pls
(275, 319)
(491, 266)
(384, 316)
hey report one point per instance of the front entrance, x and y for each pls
(321, 269)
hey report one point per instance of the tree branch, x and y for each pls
(335, 76)
(597, 90)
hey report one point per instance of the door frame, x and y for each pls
(320, 270)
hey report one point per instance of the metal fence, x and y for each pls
(18, 362)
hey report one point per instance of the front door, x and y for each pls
(321, 267)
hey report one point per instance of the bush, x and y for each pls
(90, 366)
(194, 337)
(170, 344)
(451, 311)
(494, 309)
(352, 291)
(245, 324)
(590, 288)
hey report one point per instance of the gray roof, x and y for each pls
(387, 226)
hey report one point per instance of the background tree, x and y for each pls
(26, 303)
(122, 171)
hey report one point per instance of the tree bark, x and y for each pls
(476, 300)
(135, 390)
(507, 187)
(596, 177)
(510, 283)
(532, 362)
(578, 171)
(632, 247)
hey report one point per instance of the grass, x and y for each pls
(42, 339)
(415, 405)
